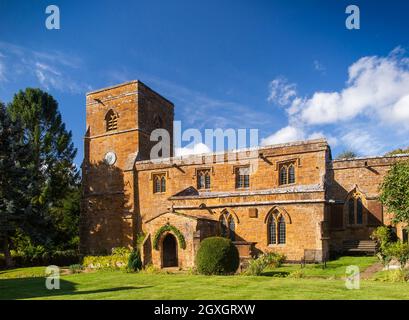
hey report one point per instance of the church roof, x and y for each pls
(193, 217)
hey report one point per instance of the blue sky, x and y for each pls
(289, 68)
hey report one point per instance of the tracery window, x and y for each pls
(355, 209)
(286, 173)
(227, 226)
(243, 177)
(203, 179)
(276, 229)
(159, 183)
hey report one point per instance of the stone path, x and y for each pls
(370, 271)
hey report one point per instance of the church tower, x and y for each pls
(119, 122)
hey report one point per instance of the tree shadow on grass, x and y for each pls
(26, 288)
(276, 274)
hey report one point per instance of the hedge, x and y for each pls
(217, 255)
(59, 258)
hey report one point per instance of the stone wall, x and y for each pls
(365, 175)
(302, 203)
(108, 202)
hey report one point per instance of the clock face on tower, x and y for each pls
(110, 158)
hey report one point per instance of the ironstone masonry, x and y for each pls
(298, 201)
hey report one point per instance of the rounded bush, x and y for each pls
(217, 255)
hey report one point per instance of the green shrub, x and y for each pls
(393, 276)
(151, 269)
(117, 260)
(398, 250)
(135, 261)
(217, 255)
(384, 236)
(258, 265)
(297, 274)
(75, 268)
(275, 259)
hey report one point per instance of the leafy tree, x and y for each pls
(14, 179)
(400, 251)
(65, 216)
(395, 192)
(398, 151)
(346, 154)
(53, 173)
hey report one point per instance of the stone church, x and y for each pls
(298, 201)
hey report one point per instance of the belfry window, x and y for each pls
(159, 183)
(111, 120)
(203, 179)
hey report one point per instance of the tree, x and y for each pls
(14, 179)
(52, 170)
(346, 154)
(395, 192)
(398, 151)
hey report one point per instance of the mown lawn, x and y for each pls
(333, 269)
(122, 285)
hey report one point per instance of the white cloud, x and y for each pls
(49, 69)
(318, 66)
(2, 72)
(362, 142)
(286, 134)
(376, 87)
(198, 148)
(294, 133)
(281, 92)
(369, 115)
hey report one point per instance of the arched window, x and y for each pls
(227, 226)
(159, 183)
(156, 185)
(351, 211)
(111, 120)
(276, 229)
(291, 174)
(163, 184)
(359, 210)
(203, 179)
(223, 226)
(232, 229)
(355, 208)
(243, 177)
(281, 230)
(272, 231)
(283, 175)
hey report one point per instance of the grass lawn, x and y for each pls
(26, 283)
(334, 269)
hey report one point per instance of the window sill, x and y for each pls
(287, 184)
(277, 245)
